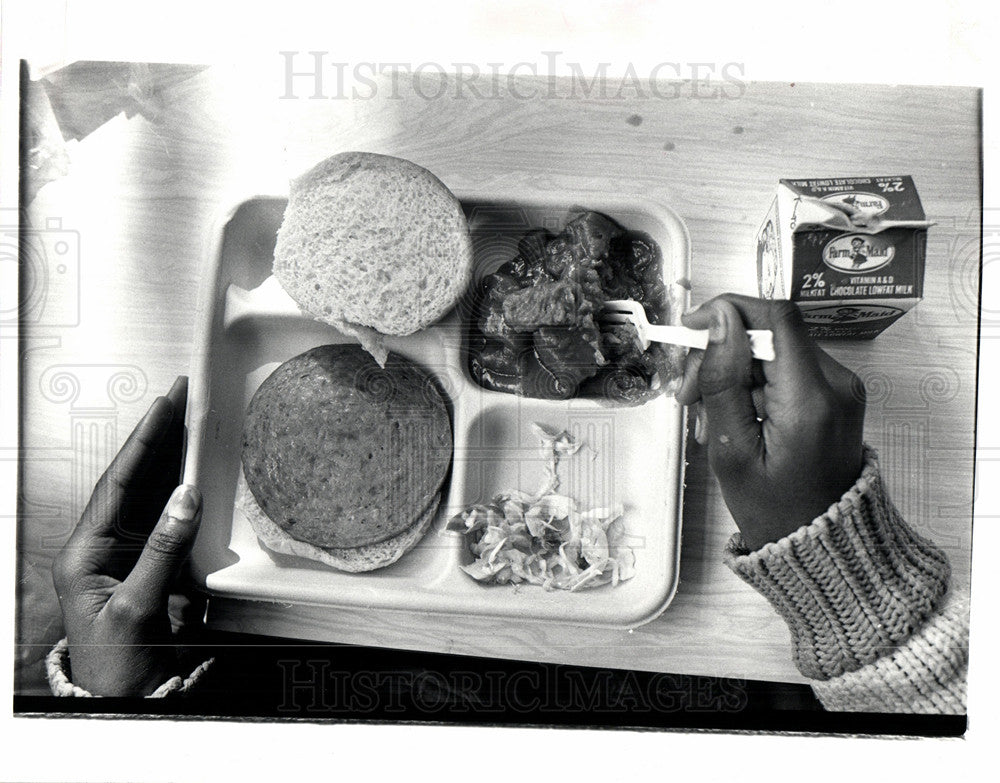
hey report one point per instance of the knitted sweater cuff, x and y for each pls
(852, 584)
(57, 670)
(925, 674)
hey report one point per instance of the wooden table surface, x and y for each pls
(104, 339)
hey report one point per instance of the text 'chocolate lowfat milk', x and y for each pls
(850, 251)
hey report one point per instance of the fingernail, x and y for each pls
(699, 425)
(184, 503)
(178, 392)
(718, 330)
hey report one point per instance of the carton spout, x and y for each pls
(811, 211)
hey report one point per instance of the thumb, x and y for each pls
(166, 549)
(725, 380)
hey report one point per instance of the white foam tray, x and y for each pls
(635, 454)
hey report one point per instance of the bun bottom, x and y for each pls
(353, 559)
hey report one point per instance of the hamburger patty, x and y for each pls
(341, 453)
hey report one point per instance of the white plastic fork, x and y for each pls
(624, 311)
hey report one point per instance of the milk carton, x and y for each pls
(850, 251)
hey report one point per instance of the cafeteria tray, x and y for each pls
(634, 455)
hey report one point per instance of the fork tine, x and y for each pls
(620, 304)
(625, 306)
(634, 310)
(614, 318)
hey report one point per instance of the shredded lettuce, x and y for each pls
(545, 539)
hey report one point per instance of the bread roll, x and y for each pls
(373, 241)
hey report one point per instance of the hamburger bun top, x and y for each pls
(374, 241)
(341, 453)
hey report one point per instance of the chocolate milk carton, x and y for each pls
(850, 251)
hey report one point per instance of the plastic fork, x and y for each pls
(624, 311)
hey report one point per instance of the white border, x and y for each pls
(940, 43)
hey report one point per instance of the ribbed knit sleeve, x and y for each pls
(925, 674)
(856, 587)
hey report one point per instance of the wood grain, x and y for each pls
(141, 196)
